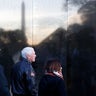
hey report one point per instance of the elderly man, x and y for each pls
(23, 74)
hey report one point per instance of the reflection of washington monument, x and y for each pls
(23, 27)
(23, 18)
(23, 21)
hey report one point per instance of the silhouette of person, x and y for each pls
(23, 75)
(52, 83)
(4, 90)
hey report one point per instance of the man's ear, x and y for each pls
(27, 56)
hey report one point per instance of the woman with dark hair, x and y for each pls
(52, 83)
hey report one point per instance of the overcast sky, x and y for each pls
(45, 15)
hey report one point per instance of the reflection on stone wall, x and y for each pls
(11, 42)
(81, 47)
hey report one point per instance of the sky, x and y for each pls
(42, 17)
(10, 13)
(48, 16)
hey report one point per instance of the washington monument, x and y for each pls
(23, 18)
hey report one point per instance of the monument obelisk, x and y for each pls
(23, 18)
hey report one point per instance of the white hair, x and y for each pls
(26, 50)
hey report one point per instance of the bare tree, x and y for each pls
(76, 2)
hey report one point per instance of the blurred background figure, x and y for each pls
(4, 90)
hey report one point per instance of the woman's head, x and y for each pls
(53, 65)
